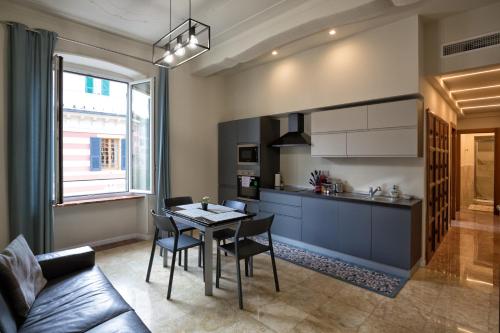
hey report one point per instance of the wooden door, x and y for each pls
(437, 169)
(453, 173)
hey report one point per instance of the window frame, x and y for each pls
(151, 135)
(61, 198)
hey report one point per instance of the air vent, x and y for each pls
(472, 44)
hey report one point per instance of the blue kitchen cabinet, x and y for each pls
(355, 229)
(287, 212)
(320, 223)
(228, 138)
(248, 130)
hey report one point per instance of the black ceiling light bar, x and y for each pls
(187, 41)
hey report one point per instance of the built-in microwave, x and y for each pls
(248, 154)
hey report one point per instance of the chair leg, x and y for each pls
(246, 267)
(165, 258)
(186, 259)
(171, 279)
(180, 258)
(161, 252)
(275, 273)
(238, 276)
(151, 260)
(217, 267)
(250, 266)
(224, 242)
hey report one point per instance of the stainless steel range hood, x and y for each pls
(295, 135)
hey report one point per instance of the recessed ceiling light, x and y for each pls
(274, 52)
(332, 32)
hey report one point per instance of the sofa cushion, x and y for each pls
(75, 303)
(127, 322)
(21, 276)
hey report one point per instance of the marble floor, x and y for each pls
(457, 292)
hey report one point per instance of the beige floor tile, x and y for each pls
(279, 316)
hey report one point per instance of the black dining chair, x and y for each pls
(245, 248)
(176, 243)
(224, 234)
(178, 201)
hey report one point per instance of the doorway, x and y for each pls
(477, 171)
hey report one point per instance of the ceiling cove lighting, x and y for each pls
(274, 52)
(332, 32)
(480, 106)
(181, 44)
(477, 99)
(470, 74)
(476, 88)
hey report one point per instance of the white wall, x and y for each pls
(4, 223)
(381, 62)
(195, 104)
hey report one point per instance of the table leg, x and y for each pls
(208, 262)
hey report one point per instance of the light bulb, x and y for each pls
(192, 42)
(168, 57)
(179, 50)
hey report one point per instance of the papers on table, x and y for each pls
(194, 212)
(213, 208)
(224, 216)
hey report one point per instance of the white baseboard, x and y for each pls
(112, 240)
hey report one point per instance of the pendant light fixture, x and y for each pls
(185, 42)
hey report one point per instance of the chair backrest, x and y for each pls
(177, 201)
(257, 226)
(235, 204)
(164, 223)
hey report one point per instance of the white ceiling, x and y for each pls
(245, 31)
(148, 20)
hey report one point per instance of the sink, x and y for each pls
(383, 199)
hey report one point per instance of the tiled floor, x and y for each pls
(456, 292)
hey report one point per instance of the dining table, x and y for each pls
(216, 217)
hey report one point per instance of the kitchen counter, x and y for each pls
(346, 196)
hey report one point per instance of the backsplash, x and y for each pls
(356, 173)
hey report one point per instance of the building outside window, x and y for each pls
(98, 122)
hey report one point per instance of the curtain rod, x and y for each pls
(87, 45)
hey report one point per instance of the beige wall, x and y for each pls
(491, 121)
(195, 104)
(381, 62)
(4, 225)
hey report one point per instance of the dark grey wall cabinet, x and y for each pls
(227, 193)
(228, 138)
(395, 236)
(249, 130)
(355, 229)
(320, 223)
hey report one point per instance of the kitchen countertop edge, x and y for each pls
(310, 194)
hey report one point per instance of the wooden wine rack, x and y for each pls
(438, 172)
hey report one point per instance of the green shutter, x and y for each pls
(89, 85)
(105, 87)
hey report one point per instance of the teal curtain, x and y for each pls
(30, 136)
(162, 140)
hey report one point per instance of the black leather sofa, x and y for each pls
(77, 298)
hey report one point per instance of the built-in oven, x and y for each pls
(248, 154)
(248, 185)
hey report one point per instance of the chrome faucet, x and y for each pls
(371, 191)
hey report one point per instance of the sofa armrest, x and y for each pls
(60, 263)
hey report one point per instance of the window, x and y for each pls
(105, 124)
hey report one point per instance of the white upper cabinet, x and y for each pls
(329, 145)
(388, 142)
(347, 119)
(393, 114)
(384, 129)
